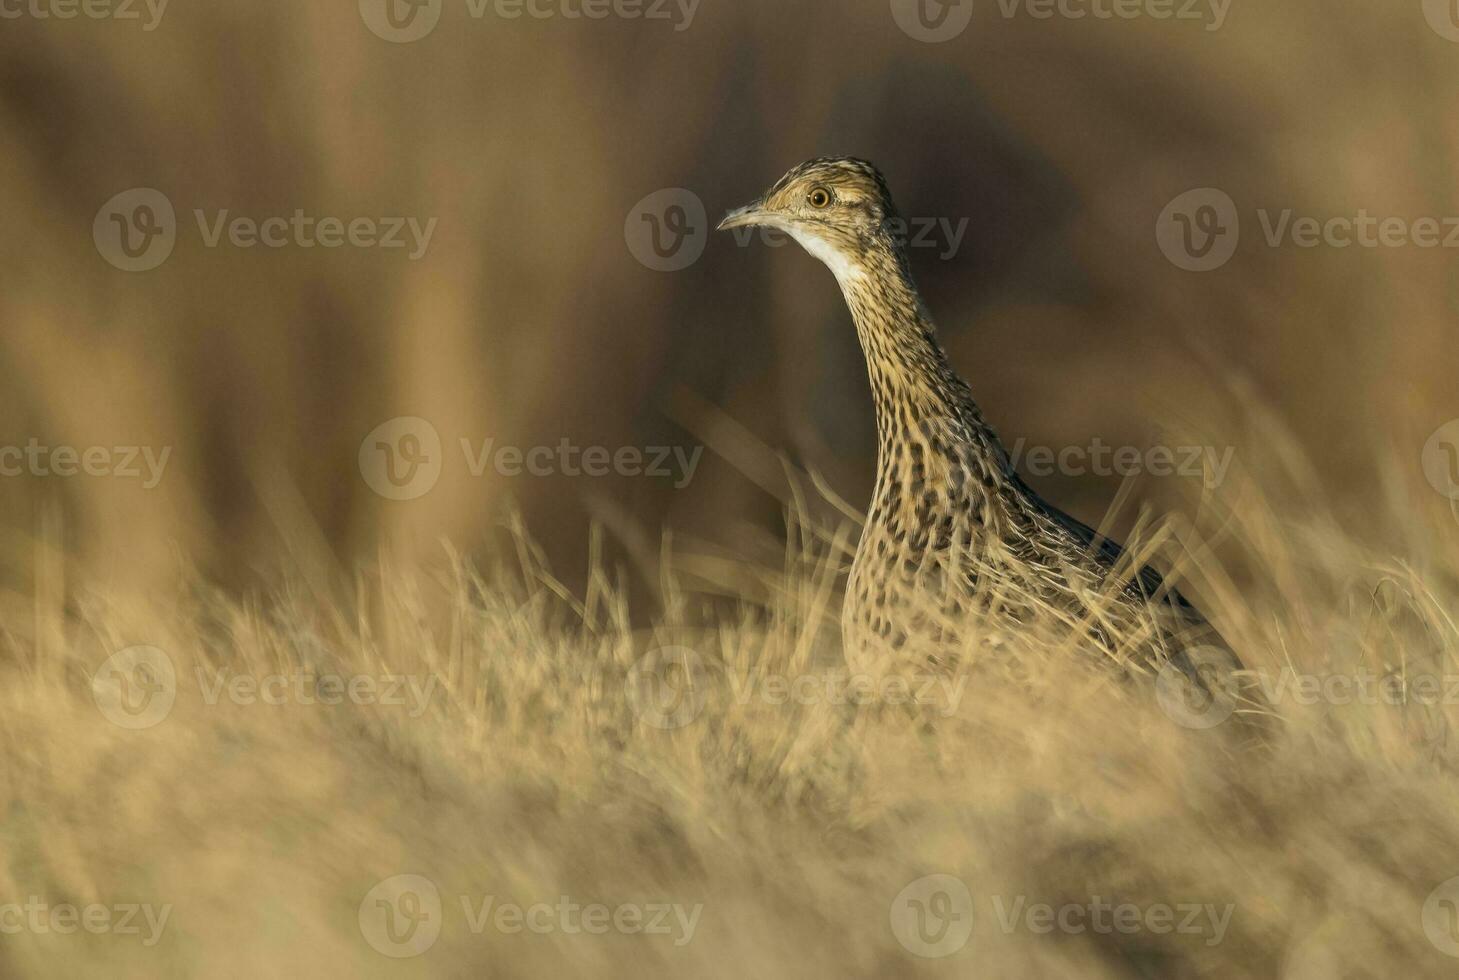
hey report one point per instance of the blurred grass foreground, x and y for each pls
(440, 770)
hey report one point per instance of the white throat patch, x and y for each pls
(843, 268)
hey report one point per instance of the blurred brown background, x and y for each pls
(530, 320)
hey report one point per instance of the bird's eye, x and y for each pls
(819, 197)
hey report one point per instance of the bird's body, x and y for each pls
(951, 524)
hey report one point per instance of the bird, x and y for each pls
(951, 523)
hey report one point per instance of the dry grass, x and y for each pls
(535, 770)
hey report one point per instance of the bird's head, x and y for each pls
(839, 210)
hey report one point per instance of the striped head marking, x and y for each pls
(838, 209)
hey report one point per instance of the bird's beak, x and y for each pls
(750, 214)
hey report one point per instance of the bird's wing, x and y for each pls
(1147, 581)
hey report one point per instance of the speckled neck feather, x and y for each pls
(915, 389)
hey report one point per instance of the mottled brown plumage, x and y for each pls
(951, 523)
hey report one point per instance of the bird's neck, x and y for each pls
(912, 382)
